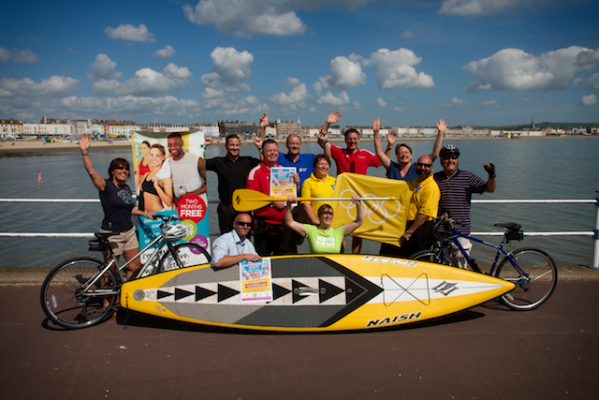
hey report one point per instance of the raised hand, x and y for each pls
(334, 117)
(258, 142)
(376, 124)
(391, 137)
(441, 125)
(208, 141)
(264, 121)
(84, 142)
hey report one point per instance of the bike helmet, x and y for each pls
(173, 233)
(450, 149)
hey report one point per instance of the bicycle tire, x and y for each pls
(534, 289)
(433, 257)
(190, 255)
(62, 299)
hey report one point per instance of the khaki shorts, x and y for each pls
(123, 241)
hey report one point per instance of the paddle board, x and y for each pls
(313, 293)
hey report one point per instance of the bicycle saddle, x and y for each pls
(511, 226)
(105, 235)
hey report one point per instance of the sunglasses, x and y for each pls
(423, 165)
(451, 156)
(246, 224)
(121, 167)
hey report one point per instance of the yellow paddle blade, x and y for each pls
(249, 200)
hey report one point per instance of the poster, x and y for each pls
(281, 182)
(256, 281)
(180, 173)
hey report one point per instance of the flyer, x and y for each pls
(256, 281)
(281, 182)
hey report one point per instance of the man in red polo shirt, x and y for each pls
(271, 235)
(351, 159)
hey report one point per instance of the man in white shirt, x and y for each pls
(185, 170)
(233, 247)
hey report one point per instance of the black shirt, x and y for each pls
(231, 175)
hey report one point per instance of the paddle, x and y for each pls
(249, 200)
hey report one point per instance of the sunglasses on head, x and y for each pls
(246, 224)
(450, 156)
(423, 165)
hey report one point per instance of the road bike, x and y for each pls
(533, 271)
(82, 291)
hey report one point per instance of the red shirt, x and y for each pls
(357, 162)
(259, 180)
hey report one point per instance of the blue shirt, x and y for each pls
(230, 244)
(304, 165)
(393, 172)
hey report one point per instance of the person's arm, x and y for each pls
(323, 141)
(137, 212)
(290, 222)
(202, 168)
(258, 141)
(331, 119)
(227, 261)
(419, 219)
(352, 226)
(441, 126)
(492, 182)
(378, 149)
(264, 121)
(84, 144)
(307, 192)
(166, 194)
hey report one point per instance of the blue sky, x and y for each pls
(409, 62)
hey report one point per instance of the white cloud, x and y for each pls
(396, 68)
(489, 102)
(220, 102)
(104, 68)
(145, 82)
(130, 32)
(588, 58)
(123, 105)
(229, 67)
(167, 52)
(381, 102)
(407, 34)
(268, 17)
(589, 99)
(313, 110)
(18, 56)
(346, 74)
(484, 7)
(329, 98)
(593, 82)
(514, 69)
(577, 81)
(322, 83)
(55, 86)
(400, 109)
(456, 103)
(357, 105)
(297, 96)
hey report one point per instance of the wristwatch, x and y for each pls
(409, 232)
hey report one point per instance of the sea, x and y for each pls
(564, 168)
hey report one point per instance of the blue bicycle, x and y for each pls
(533, 271)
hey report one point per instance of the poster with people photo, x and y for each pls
(168, 182)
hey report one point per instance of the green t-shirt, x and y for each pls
(324, 241)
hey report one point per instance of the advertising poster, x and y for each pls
(281, 182)
(177, 176)
(255, 278)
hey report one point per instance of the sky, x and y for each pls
(408, 62)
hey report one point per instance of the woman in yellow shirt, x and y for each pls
(319, 184)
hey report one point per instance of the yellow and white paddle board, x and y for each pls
(315, 293)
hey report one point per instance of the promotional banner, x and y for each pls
(384, 220)
(166, 175)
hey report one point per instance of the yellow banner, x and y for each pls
(384, 220)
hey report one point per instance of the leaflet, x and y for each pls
(281, 182)
(256, 281)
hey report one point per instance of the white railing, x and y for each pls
(594, 233)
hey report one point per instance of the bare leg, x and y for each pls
(135, 264)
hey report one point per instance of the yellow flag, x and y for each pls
(384, 220)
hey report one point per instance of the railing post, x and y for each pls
(596, 234)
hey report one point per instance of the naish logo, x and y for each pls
(445, 288)
(383, 260)
(392, 320)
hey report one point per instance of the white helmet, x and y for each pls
(173, 233)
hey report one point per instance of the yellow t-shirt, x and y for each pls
(425, 199)
(314, 187)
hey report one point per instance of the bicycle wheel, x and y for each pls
(432, 257)
(535, 277)
(189, 254)
(67, 304)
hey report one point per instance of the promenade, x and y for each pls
(487, 352)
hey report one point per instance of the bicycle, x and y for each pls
(82, 291)
(533, 271)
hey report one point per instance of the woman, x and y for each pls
(319, 184)
(143, 167)
(324, 239)
(155, 194)
(118, 204)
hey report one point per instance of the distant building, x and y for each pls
(239, 128)
(286, 128)
(10, 128)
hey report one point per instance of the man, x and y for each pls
(351, 159)
(185, 169)
(457, 187)
(302, 162)
(232, 171)
(271, 236)
(234, 246)
(423, 210)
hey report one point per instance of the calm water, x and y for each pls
(526, 169)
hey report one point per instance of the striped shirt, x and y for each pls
(456, 193)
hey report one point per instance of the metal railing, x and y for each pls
(594, 233)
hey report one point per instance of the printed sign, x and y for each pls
(256, 281)
(281, 182)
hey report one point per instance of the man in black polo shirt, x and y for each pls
(232, 171)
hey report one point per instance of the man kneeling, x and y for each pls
(233, 247)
